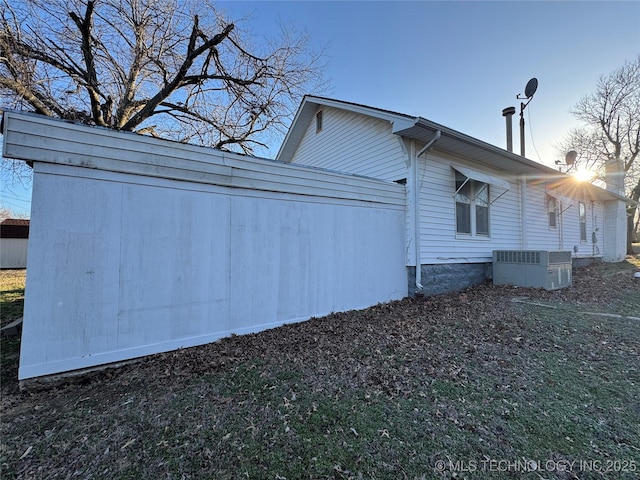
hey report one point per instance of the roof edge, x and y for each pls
(401, 123)
(296, 131)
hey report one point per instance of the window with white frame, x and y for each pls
(582, 212)
(552, 211)
(472, 206)
(318, 121)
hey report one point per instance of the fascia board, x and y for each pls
(476, 143)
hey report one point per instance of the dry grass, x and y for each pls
(11, 295)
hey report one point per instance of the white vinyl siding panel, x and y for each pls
(353, 143)
(566, 235)
(66, 143)
(571, 229)
(440, 243)
(139, 246)
(597, 226)
(539, 235)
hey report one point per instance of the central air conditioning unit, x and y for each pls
(548, 269)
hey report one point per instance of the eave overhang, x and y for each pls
(452, 142)
(461, 145)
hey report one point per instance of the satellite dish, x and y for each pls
(530, 89)
(570, 158)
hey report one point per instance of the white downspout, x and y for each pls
(416, 202)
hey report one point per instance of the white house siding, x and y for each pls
(163, 255)
(571, 229)
(353, 143)
(539, 236)
(13, 252)
(440, 244)
(362, 145)
(595, 225)
(566, 235)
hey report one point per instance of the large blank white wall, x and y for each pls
(122, 266)
(139, 245)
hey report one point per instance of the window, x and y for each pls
(482, 208)
(472, 206)
(463, 203)
(582, 211)
(552, 210)
(318, 121)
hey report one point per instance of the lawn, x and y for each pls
(492, 382)
(12, 284)
(11, 295)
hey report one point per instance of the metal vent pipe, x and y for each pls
(508, 114)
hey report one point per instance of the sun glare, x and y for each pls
(583, 174)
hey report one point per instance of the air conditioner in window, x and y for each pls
(548, 269)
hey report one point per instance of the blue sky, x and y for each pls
(458, 63)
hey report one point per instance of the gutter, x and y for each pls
(416, 204)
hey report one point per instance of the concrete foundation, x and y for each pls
(451, 277)
(585, 261)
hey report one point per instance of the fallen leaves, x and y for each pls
(432, 353)
(128, 443)
(27, 452)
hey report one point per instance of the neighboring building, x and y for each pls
(464, 197)
(14, 239)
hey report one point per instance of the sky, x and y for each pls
(453, 62)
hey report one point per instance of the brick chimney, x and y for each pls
(615, 214)
(614, 175)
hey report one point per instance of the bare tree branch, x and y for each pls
(162, 67)
(175, 83)
(611, 131)
(40, 105)
(92, 85)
